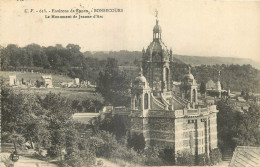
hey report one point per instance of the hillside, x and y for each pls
(128, 58)
(200, 60)
(123, 57)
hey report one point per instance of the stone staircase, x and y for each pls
(227, 153)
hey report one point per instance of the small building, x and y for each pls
(210, 85)
(47, 81)
(215, 89)
(12, 80)
(76, 81)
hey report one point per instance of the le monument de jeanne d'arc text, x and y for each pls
(167, 119)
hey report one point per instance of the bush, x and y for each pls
(151, 157)
(137, 142)
(185, 158)
(215, 156)
(104, 143)
(128, 155)
(167, 155)
(7, 161)
(203, 160)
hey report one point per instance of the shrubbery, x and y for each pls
(215, 156)
(185, 158)
(203, 160)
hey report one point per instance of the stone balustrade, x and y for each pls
(177, 113)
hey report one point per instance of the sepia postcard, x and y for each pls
(130, 83)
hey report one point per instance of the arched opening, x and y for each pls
(146, 102)
(194, 95)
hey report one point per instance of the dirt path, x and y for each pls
(28, 162)
(107, 163)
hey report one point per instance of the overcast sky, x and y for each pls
(201, 28)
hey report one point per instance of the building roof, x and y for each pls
(245, 156)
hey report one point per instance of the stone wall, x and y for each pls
(161, 128)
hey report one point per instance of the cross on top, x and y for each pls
(156, 13)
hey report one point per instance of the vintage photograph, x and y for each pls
(123, 83)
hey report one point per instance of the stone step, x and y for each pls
(227, 153)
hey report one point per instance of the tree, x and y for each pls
(227, 120)
(44, 60)
(248, 133)
(202, 88)
(23, 119)
(113, 84)
(73, 48)
(203, 160)
(34, 50)
(14, 53)
(137, 142)
(243, 93)
(24, 58)
(215, 156)
(59, 115)
(79, 151)
(104, 143)
(88, 105)
(185, 158)
(236, 128)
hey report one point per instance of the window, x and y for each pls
(194, 95)
(146, 101)
(167, 78)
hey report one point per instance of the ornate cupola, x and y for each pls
(189, 88)
(157, 30)
(156, 62)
